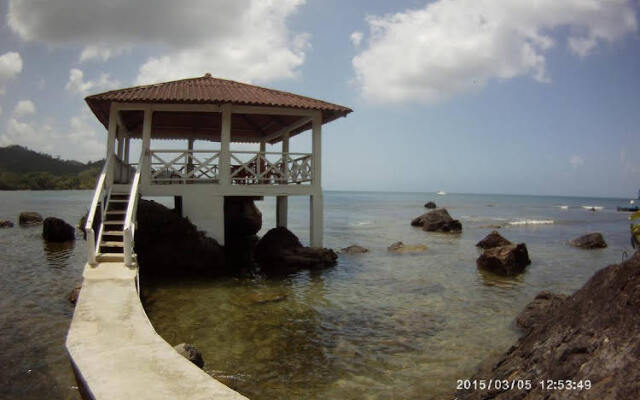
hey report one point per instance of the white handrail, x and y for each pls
(88, 226)
(129, 220)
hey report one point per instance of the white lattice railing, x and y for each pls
(250, 167)
(177, 166)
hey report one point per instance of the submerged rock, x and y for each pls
(401, 248)
(430, 204)
(191, 353)
(6, 224)
(280, 251)
(28, 218)
(353, 249)
(438, 220)
(56, 230)
(73, 295)
(170, 245)
(589, 241)
(494, 239)
(592, 335)
(505, 260)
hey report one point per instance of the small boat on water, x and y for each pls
(441, 193)
(631, 207)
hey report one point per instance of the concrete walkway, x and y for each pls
(116, 353)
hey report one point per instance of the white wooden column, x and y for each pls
(111, 139)
(316, 150)
(261, 156)
(127, 149)
(285, 158)
(282, 206)
(225, 140)
(316, 223)
(146, 146)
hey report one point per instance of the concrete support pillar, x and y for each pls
(127, 150)
(225, 140)
(282, 206)
(316, 223)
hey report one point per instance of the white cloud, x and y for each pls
(576, 161)
(242, 39)
(24, 108)
(77, 84)
(455, 46)
(356, 38)
(10, 67)
(80, 139)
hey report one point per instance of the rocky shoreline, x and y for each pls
(593, 335)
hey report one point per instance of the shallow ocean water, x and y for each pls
(376, 326)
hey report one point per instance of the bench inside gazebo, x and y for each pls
(210, 116)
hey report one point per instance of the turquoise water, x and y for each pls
(375, 326)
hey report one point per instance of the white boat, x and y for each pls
(442, 193)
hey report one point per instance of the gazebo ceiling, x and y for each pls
(207, 125)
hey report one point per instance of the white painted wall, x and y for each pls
(205, 212)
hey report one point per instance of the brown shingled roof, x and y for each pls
(210, 90)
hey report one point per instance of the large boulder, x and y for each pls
(589, 241)
(56, 230)
(438, 220)
(538, 310)
(506, 260)
(170, 245)
(191, 353)
(242, 217)
(430, 204)
(494, 239)
(592, 335)
(279, 252)
(28, 218)
(6, 224)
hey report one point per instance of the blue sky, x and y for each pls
(471, 96)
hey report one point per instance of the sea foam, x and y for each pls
(532, 222)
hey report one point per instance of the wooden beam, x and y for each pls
(297, 124)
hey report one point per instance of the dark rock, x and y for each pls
(28, 218)
(505, 260)
(73, 295)
(494, 239)
(56, 230)
(539, 309)
(430, 204)
(191, 353)
(82, 224)
(170, 245)
(399, 247)
(6, 224)
(592, 335)
(280, 251)
(353, 249)
(589, 241)
(242, 217)
(437, 220)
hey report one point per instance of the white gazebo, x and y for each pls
(215, 113)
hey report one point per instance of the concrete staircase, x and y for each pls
(111, 245)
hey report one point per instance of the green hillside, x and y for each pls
(24, 169)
